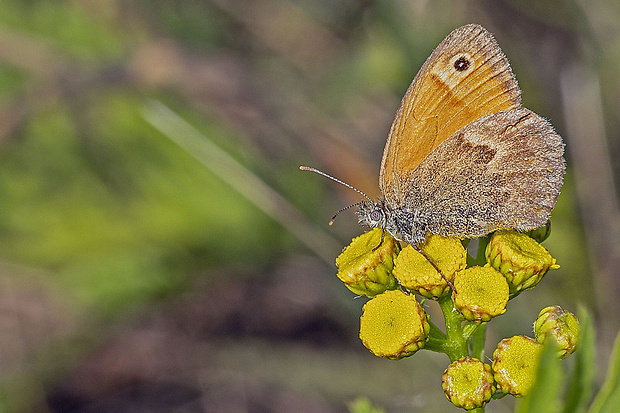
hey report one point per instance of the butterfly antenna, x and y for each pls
(307, 168)
(331, 221)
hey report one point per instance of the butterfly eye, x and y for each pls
(376, 215)
(461, 64)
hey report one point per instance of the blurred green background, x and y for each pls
(141, 269)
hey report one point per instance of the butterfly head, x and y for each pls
(372, 214)
(403, 224)
(379, 215)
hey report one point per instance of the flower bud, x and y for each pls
(481, 293)
(393, 325)
(560, 324)
(468, 383)
(540, 234)
(365, 265)
(414, 271)
(515, 361)
(522, 260)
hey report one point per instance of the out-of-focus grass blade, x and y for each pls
(581, 387)
(544, 396)
(241, 179)
(608, 398)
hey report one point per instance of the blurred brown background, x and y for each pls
(160, 250)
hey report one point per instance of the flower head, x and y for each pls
(522, 260)
(414, 271)
(481, 293)
(468, 383)
(365, 265)
(393, 325)
(560, 324)
(515, 361)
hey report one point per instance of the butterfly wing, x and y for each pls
(505, 172)
(465, 78)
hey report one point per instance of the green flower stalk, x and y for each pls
(522, 260)
(515, 361)
(468, 383)
(481, 293)
(394, 325)
(414, 271)
(559, 324)
(365, 265)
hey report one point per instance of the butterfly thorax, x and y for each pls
(403, 224)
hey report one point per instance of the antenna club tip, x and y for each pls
(330, 223)
(303, 168)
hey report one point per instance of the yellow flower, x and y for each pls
(414, 271)
(393, 325)
(522, 260)
(365, 265)
(560, 324)
(468, 383)
(481, 293)
(515, 361)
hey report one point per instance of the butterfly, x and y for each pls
(463, 157)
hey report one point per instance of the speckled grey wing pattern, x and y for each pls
(503, 170)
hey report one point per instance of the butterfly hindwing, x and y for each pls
(505, 172)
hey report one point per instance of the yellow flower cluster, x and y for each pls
(394, 324)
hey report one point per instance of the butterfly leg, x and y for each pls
(382, 238)
(418, 249)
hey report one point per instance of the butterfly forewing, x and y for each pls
(465, 78)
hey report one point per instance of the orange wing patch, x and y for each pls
(465, 78)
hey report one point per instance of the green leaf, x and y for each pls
(582, 381)
(608, 399)
(544, 396)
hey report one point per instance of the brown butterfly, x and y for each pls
(463, 157)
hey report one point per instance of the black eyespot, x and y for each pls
(461, 64)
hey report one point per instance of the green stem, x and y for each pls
(477, 332)
(455, 345)
(480, 258)
(478, 340)
(469, 329)
(436, 340)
